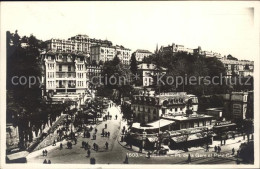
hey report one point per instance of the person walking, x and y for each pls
(207, 148)
(54, 143)
(49, 161)
(43, 153)
(46, 152)
(88, 153)
(105, 125)
(233, 151)
(215, 148)
(189, 159)
(61, 146)
(75, 141)
(106, 145)
(126, 160)
(219, 149)
(96, 130)
(94, 146)
(148, 154)
(116, 117)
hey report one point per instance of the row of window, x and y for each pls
(50, 65)
(80, 75)
(51, 74)
(51, 83)
(195, 124)
(80, 83)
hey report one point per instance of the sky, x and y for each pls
(223, 27)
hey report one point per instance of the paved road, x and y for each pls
(116, 153)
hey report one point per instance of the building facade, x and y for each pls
(105, 53)
(140, 54)
(236, 104)
(66, 75)
(78, 43)
(239, 67)
(147, 73)
(175, 48)
(148, 107)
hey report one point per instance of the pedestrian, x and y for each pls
(84, 134)
(49, 161)
(91, 128)
(96, 148)
(88, 153)
(61, 146)
(75, 141)
(122, 138)
(238, 152)
(207, 148)
(46, 152)
(86, 145)
(116, 117)
(219, 149)
(108, 134)
(126, 160)
(43, 153)
(96, 130)
(106, 145)
(140, 148)
(148, 154)
(92, 161)
(54, 143)
(189, 159)
(105, 125)
(215, 148)
(233, 151)
(45, 161)
(83, 144)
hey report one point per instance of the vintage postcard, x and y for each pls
(130, 84)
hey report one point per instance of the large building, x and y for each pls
(236, 105)
(147, 73)
(176, 48)
(102, 53)
(239, 67)
(67, 75)
(140, 54)
(148, 106)
(78, 43)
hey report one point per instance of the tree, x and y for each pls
(133, 64)
(26, 97)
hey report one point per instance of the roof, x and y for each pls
(143, 51)
(185, 118)
(216, 109)
(153, 125)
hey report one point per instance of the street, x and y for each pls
(116, 153)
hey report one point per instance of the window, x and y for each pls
(69, 68)
(60, 67)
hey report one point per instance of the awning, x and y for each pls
(192, 137)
